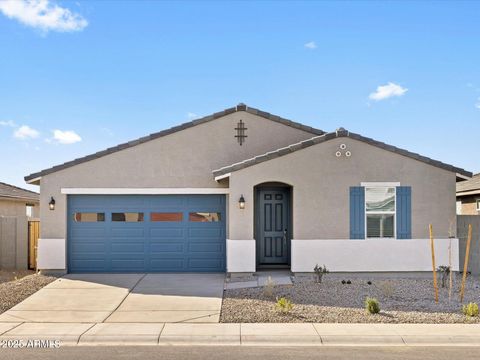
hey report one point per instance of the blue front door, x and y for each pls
(146, 233)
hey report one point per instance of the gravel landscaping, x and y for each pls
(401, 301)
(14, 291)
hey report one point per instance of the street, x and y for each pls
(234, 353)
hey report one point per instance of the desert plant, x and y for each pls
(470, 310)
(344, 282)
(269, 287)
(319, 272)
(349, 282)
(372, 305)
(284, 305)
(387, 288)
(444, 271)
(369, 282)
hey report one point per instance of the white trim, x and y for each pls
(143, 191)
(462, 176)
(477, 201)
(33, 180)
(380, 184)
(465, 193)
(224, 176)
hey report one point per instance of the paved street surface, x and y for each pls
(243, 353)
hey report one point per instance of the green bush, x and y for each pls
(284, 305)
(372, 305)
(470, 310)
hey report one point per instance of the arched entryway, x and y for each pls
(273, 224)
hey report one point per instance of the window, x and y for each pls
(128, 217)
(29, 210)
(380, 211)
(478, 204)
(166, 216)
(459, 208)
(204, 217)
(88, 217)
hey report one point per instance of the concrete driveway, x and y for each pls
(122, 298)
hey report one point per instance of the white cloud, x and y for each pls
(25, 132)
(8, 123)
(43, 15)
(387, 91)
(311, 45)
(66, 137)
(477, 104)
(192, 115)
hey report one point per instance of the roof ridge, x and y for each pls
(340, 132)
(171, 130)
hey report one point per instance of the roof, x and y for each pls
(469, 187)
(333, 135)
(239, 107)
(10, 191)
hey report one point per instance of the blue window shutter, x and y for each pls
(404, 212)
(357, 212)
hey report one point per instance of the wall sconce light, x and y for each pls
(51, 204)
(241, 202)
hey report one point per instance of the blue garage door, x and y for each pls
(147, 233)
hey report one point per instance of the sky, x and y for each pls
(77, 77)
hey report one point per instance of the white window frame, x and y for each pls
(478, 204)
(394, 212)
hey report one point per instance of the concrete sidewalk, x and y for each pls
(301, 334)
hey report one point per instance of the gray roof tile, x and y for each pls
(469, 185)
(11, 191)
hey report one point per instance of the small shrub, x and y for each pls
(269, 288)
(387, 288)
(372, 305)
(284, 305)
(319, 272)
(444, 271)
(344, 282)
(369, 282)
(470, 310)
(349, 282)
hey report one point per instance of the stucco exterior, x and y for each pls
(320, 183)
(17, 207)
(184, 159)
(319, 169)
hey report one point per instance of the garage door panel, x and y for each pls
(166, 233)
(167, 265)
(169, 242)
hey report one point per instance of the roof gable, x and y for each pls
(333, 135)
(240, 107)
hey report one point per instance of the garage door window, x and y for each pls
(127, 216)
(204, 217)
(88, 217)
(166, 216)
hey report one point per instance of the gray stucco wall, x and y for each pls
(182, 159)
(321, 183)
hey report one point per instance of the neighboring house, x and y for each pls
(242, 190)
(468, 196)
(15, 201)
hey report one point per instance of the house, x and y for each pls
(468, 196)
(242, 190)
(15, 201)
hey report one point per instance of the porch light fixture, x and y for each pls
(241, 202)
(51, 204)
